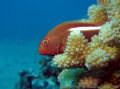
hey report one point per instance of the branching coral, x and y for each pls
(78, 51)
(96, 15)
(68, 77)
(75, 51)
(110, 33)
(112, 8)
(100, 57)
(101, 52)
(94, 44)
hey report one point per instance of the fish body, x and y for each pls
(55, 41)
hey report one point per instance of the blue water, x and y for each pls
(23, 23)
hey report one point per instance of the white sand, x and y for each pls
(14, 57)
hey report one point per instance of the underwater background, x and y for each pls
(23, 23)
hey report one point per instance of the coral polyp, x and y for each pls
(89, 82)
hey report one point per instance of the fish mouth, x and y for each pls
(41, 50)
(44, 52)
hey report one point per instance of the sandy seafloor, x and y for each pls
(16, 56)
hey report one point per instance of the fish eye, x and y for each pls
(45, 42)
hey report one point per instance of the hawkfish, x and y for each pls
(55, 40)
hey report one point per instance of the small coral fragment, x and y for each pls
(68, 77)
(115, 79)
(107, 86)
(89, 82)
(75, 51)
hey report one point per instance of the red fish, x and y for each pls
(55, 41)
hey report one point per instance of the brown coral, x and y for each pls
(113, 82)
(89, 82)
(115, 79)
(107, 86)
